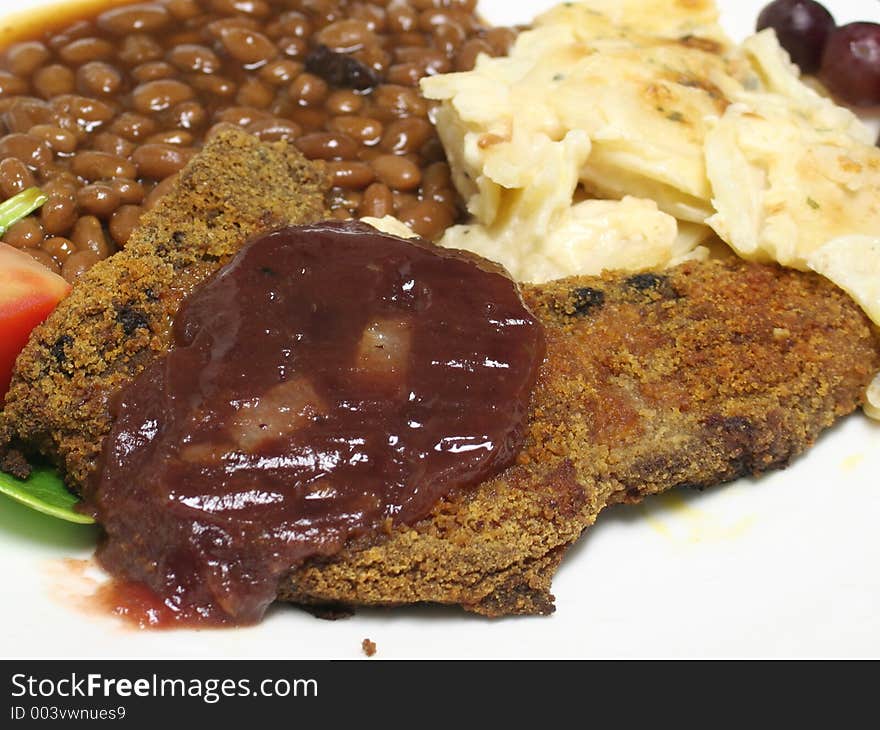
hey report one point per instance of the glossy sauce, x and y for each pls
(329, 382)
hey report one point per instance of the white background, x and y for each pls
(783, 566)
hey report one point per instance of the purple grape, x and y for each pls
(851, 64)
(802, 26)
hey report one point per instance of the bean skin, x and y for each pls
(98, 199)
(158, 161)
(123, 222)
(26, 233)
(58, 213)
(377, 201)
(15, 176)
(77, 264)
(348, 174)
(88, 235)
(45, 259)
(396, 172)
(91, 165)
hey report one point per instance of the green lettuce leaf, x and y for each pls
(45, 492)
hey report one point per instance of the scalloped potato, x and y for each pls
(675, 132)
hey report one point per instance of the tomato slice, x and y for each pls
(28, 294)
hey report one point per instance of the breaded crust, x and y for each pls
(706, 373)
(118, 317)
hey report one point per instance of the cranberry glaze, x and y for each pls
(327, 382)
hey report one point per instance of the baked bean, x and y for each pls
(59, 248)
(344, 102)
(375, 58)
(341, 214)
(275, 130)
(436, 177)
(255, 8)
(255, 93)
(280, 72)
(401, 17)
(345, 36)
(184, 9)
(178, 137)
(410, 40)
(77, 264)
(40, 255)
(129, 191)
(373, 17)
(26, 233)
(153, 71)
(310, 119)
(88, 235)
(27, 148)
(432, 151)
(397, 172)
(327, 146)
(376, 202)
(249, 47)
(404, 74)
(54, 79)
(139, 48)
(156, 96)
(212, 86)
(187, 115)
(147, 17)
(92, 165)
(14, 177)
(97, 77)
(403, 136)
(295, 24)
(190, 57)
(348, 174)
(448, 38)
(466, 57)
(308, 90)
(60, 140)
(242, 116)
(500, 40)
(133, 126)
(427, 218)
(159, 191)
(293, 47)
(399, 101)
(88, 113)
(123, 222)
(158, 161)
(78, 29)
(12, 85)
(26, 57)
(84, 50)
(429, 62)
(444, 196)
(216, 28)
(97, 199)
(365, 130)
(24, 112)
(112, 144)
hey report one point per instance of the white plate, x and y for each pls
(785, 565)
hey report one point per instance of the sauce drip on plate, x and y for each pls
(330, 381)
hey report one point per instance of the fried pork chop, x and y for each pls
(693, 377)
(697, 376)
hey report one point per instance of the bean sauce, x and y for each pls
(113, 104)
(328, 382)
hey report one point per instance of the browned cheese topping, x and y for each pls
(329, 382)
